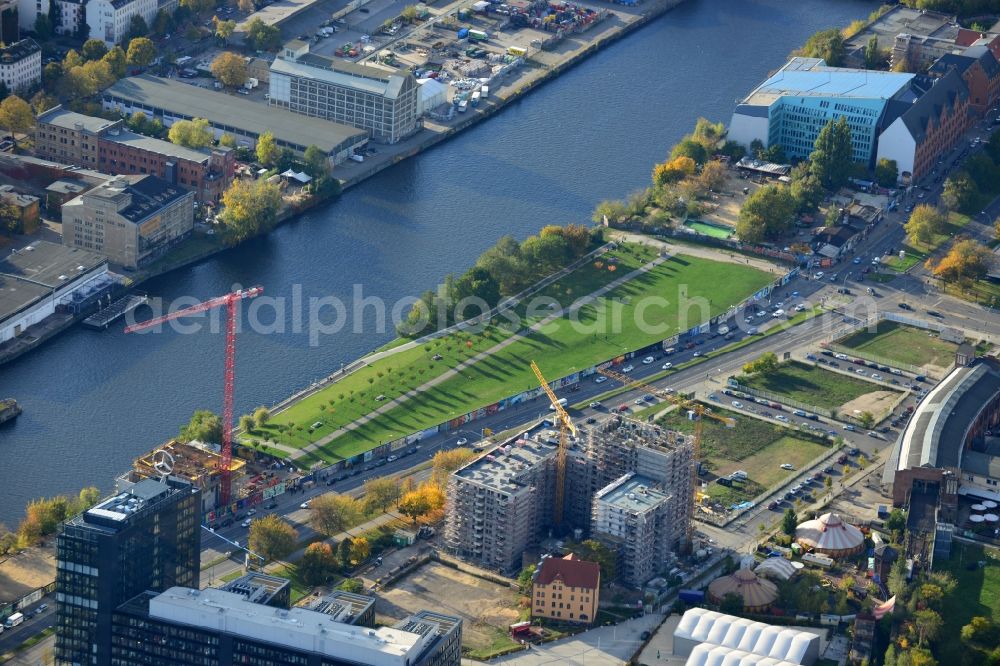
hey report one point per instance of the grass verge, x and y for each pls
(977, 593)
(812, 385)
(904, 344)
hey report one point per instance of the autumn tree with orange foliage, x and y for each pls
(967, 261)
(673, 171)
(426, 499)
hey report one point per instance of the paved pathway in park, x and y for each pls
(393, 404)
(712, 253)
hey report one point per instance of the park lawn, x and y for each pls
(764, 467)
(499, 642)
(356, 395)
(904, 344)
(983, 292)
(977, 593)
(919, 252)
(811, 385)
(562, 347)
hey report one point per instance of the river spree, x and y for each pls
(93, 400)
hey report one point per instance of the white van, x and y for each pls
(562, 403)
(723, 329)
(739, 475)
(14, 620)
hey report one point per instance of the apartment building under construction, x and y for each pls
(501, 505)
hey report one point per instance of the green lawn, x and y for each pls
(715, 231)
(358, 393)
(918, 252)
(983, 292)
(904, 344)
(978, 593)
(755, 446)
(563, 346)
(811, 385)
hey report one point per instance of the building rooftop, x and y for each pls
(48, 265)
(500, 468)
(60, 117)
(67, 186)
(113, 513)
(256, 587)
(18, 51)
(373, 78)
(632, 493)
(159, 146)
(935, 435)
(901, 19)
(811, 77)
(573, 572)
(298, 628)
(15, 197)
(428, 623)
(342, 606)
(230, 112)
(140, 197)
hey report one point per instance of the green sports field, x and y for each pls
(904, 344)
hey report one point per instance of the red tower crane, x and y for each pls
(229, 301)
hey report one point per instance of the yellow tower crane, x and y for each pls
(684, 403)
(566, 428)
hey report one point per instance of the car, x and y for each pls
(853, 451)
(380, 462)
(713, 396)
(649, 398)
(596, 404)
(857, 260)
(772, 506)
(666, 366)
(834, 364)
(413, 449)
(252, 512)
(798, 412)
(623, 407)
(737, 404)
(905, 306)
(648, 360)
(817, 475)
(782, 418)
(271, 505)
(628, 368)
(876, 376)
(799, 308)
(304, 505)
(364, 10)
(849, 428)
(461, 441)
(840, 357)
(243, 91)
(393, 458)
(639, 401)
(861, 372)
(788, 466)
(600, 380)
(723, 481)
(832, 433)
(245, 523)
(819, 275)
(811, 357)
(935, 314)
(41, 608)
(790, 496)
(873, 434)
(379, 398)
(591, 420)
(697, 354)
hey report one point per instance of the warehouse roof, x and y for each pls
(349, 75)
(231, 113)
(159, 146)
(737, 633)
(60, 117)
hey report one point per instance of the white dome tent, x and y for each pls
(829, 535)
(776, 568)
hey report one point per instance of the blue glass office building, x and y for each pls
(792, 106)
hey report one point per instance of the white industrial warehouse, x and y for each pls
(706, 637)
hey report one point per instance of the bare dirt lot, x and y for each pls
(486, 608)
(26, 571)
(725, 206)
(876, 402)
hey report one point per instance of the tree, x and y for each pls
(42, 102)
(928, 625)
(806, 189)
(789, 521)
(360, 550)
(526, 578)
(446, 462)
(163, 23)
(93, 49)
(267, 149)
(141, 52)
(117, 61)
(731, 604)
(331, 514)
(676, 169)
(380, 493)
(713, 176)
(51, 74)
(317, 162)
(477, 283)
(967, 261)
(43, 26)
(612, 209)
(930, 594)
(886, 172)
(960, 193)
(137, 29)
(344, 550)
(250, 208)
(924, 224)
(873, 56)
(15, 115)
(247, 423)
(230, 69)
(414, 504)
(688, 147)
(317, 563)
(261, 415)
(191, 133)
(272, 538)
(767, 213)
(262, 37)
(897, 577)
(72, 60)
(10, 219)
(592, 550)
(764, 364)
(866, 419)
(204, 426)
(227, 140)
(896, 522)
(826, 44)
(224, 29)
(832, 158)
(246, 6)
(979, 630)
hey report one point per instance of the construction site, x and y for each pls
(502, 506)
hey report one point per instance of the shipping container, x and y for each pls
(691, 596)
(519, 51)
(478, 36)
(462, 33)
